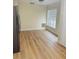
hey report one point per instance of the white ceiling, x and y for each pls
(45, 2)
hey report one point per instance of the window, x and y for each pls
(51, 18)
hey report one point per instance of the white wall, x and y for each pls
(60, 21)
(62, 24)
(50, 7)
(31, 16)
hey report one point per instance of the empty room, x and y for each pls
(39, 29)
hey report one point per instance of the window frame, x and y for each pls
(54, 14)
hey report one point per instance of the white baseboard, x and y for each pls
(61, 43)
(29, 29)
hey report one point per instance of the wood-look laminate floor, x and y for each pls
(39, 45)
